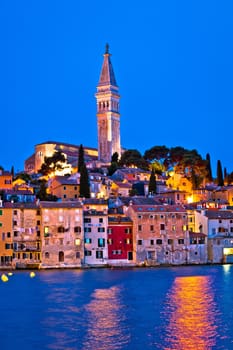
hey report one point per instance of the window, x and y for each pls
(77, 229)
(46, 255)
(109, 230)
(184, 228)
(38, 212)
(170, 241)
(61, 241)
(101, 220)
(101, 242)
(139, 216)
(128, 241)
(231, 229)
(151, 242)
(162, 227)
(87, 220)
(87, 253)
(87, 240)
(46, 231)
(75, 188)
(64, 195)
(151, 227)
(140, 242)
(77, 241)
(110, 241)
(101, 229)
(151, 217)
(128, 230)
(3, 236)
(60, 229)
(99, 254)
(15, 212)
(220, 221)
(38, 222)
(159, 241)
(64, 188)
(161, 216)
(180, 241)
(173, 227)
(139, 228)
(8, 235)
(8, 246)
(15, 223)
(15, 233)
(87, 229)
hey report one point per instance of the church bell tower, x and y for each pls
(108, 115)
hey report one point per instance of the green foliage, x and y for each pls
(114, 164)
(152, 189)
(220, 181)
(133, 157)
(209, 176)
(115, 158)
(84, 182)
(80, 157)
(42, 193)
(24, 176)
(56, 162)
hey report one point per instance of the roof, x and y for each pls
(158, 208)
(107, 76)
(58, 205)
(196, 234)
(64, 180)
(119, 219)
(219, 214)
(65, 144)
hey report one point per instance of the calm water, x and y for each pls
(161, 308)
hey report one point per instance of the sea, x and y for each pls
(185, 307)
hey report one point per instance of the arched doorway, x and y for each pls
(61, 256)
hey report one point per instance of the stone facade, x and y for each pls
(108, 115)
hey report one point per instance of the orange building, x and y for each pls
(5, 180)
(6, 239)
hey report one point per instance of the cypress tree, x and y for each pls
(220, 181)
(209, 176)
(84, 190)
(152, 183)
(80, 157)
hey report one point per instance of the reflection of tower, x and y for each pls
(108, 116)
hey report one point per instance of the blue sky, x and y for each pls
(173, 61)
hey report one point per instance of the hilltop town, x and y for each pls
(75, 206)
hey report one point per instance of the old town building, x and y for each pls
(108, 112)
(61, 234)
(6, 236)
(160, 234)
(26, 235)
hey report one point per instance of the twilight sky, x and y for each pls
(173, 62)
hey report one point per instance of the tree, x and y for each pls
(133, 157)
(152, 188)
(157, 153)
(220, 181)
(80, 157)
(84, 190)
(42, 193)
(208, 169)
(114, 164)
(56, 162)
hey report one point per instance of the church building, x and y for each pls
(108, 128)
(108, 115)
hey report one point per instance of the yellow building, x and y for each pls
(6, 239)
(26, 235)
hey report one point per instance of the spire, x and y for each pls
(107, 76)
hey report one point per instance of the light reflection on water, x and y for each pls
(192, 314)
(104, 321)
